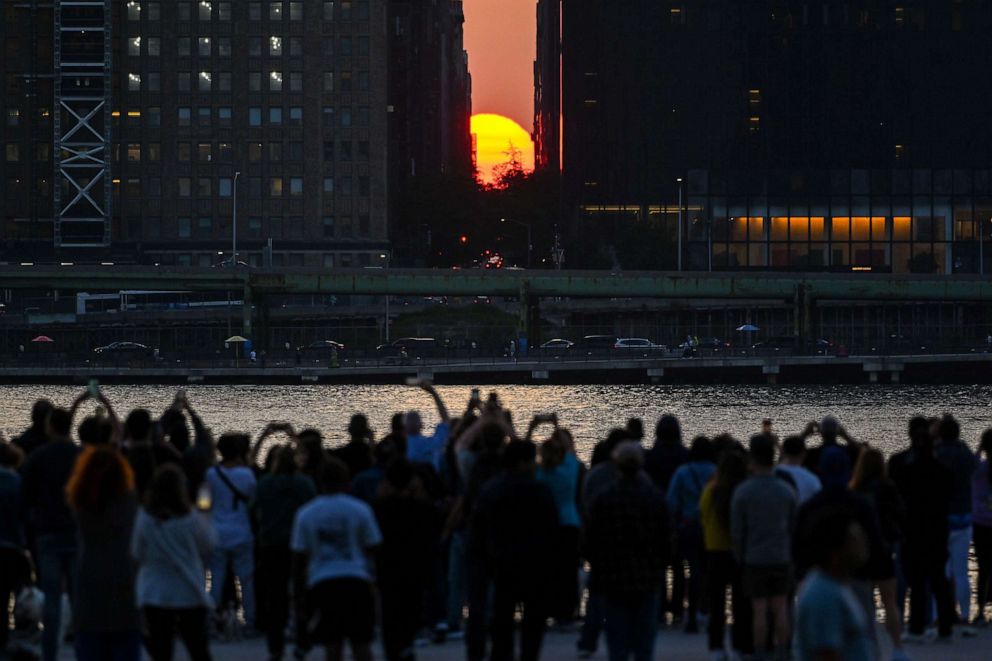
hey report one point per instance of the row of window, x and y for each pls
(275, 227)
(206, 10)
(207, 152)
(273, 46)
(151, 117)
(274, 186)
(274, 81)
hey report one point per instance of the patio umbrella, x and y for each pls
(43, 338)
(748, 328)
(236, 338)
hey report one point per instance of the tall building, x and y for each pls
(821, 135)
(26, 104)
(430, 106)
(136, 126)
(547, 86)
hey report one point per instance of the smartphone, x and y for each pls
(476, 395)
(93, 388)
(204, 499)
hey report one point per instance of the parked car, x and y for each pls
(638, 344)
(596, 344)
(557, 345)
(322, 350)
(125, 351)
(407, 348)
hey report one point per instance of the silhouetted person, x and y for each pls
(332, 538)
(278, 496)
(793, 456)
(683, 496)
(762, 522)
(34, 436)
(925, 486)
(514, 526)
(14, 565)
(661, 462)
(144, 452)
(829, 622)
(835, 474)
(171, 545)
(831, 432)
(357, 452)
(104, 612)
(961, 461)
(981, 498)
(627, 543)
(46, 473)
(722, 570)
(411, 527)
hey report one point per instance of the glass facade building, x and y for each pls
(811, 136)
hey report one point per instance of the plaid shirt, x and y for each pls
(628, 540)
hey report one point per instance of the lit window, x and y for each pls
(275, 46)
(224, 186)
(275, 11)
(754, 124)
(676, 16)
(134, 153)
(275, 81)
(275, 187)
(206, 10)
(134, 82)
(754, 97)
(203, 46)
(296, 187)
(133, 10)
(900, 152)
(134, 46)
(204, 81)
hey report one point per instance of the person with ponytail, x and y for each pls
(981, 498)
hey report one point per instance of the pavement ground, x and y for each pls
(672, 644)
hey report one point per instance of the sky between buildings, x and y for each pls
(500, 39)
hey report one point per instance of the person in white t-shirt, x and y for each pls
(427, 449)
(793, 454)
(332, 538)
(232, 486)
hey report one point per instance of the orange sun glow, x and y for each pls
(499, 140)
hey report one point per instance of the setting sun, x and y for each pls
(498, 140)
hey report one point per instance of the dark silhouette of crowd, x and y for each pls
(158, 530)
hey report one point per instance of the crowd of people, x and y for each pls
(157, 530)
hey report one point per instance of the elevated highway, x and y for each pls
(254, 285)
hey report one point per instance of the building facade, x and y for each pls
(821, 135)
(279, 105)
(547, 86)
(430, 108)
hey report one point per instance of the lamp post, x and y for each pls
(679, 182)
(530, 246)
(385, 257)
(234, 224)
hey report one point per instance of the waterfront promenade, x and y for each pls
(672, 645)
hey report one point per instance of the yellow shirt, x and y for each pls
(716, 536)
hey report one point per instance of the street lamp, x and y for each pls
(679, 181)
(234, 224)
(530, 246)
(385, 257)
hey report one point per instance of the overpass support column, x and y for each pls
(803, 316)
(247, 310)
(530, 317)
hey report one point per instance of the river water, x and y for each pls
(873, 413)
